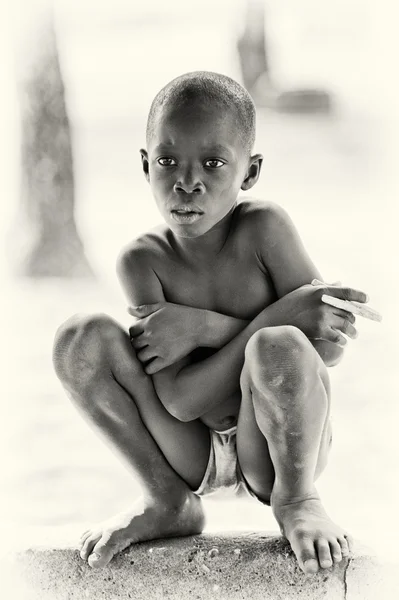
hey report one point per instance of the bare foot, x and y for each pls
(316, 541)
(145, 521)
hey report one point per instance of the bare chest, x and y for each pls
(236, 286)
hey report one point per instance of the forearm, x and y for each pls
(199, 387)
(195, 389)
(219, 329)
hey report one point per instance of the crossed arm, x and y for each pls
(189, 390)
(171, 332)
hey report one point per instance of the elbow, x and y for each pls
(180, 414)
(182, 409)
(175, 406)
(173, 399)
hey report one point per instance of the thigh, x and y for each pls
(185, 445)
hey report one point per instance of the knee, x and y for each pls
(81, 347)
(280, 357)
(277, 344)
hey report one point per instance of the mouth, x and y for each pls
(184, 213)
(186, 216)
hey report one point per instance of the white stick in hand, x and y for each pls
(357, 308)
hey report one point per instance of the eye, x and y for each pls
(214, 163)
(165, 161)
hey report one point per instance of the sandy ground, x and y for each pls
(332, 175)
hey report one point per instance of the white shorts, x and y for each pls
(223, 476)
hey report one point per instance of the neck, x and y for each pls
(209, 244)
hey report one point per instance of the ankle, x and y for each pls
(168, 499)
(283, 495)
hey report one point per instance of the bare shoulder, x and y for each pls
(136, 267)
(143, 250)
(262, 217)
(279, 246)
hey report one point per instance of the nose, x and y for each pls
(189, 183)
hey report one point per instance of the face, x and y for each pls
(196, 165)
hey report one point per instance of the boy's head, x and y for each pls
(204, 88)
(200, 134)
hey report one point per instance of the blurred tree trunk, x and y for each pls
(48, 241)
(253, 55)
(252, 51)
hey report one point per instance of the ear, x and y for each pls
(253, 172)
(145, 164)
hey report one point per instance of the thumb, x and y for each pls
(144, 310)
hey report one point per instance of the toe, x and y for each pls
(88, 546)
(84, 534)
(101, 555)
(324, 554)
(344, 546)
(335, 550)
(350, 542)
(306, 555)
(310, 566)
(83, 538)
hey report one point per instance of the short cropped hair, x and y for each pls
(211, 88)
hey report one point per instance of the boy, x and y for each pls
(222, 383)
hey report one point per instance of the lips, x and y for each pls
(185, 217)
(184, 209)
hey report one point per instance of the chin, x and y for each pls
(186, 234)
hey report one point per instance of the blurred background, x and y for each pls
(76, 86)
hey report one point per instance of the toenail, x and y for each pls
(312, 563)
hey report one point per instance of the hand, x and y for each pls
(164, 333)
(304, 309)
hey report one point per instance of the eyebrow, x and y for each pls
(218, 148)
(213, 148)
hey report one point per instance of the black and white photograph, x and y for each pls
(199, 300)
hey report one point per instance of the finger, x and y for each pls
(347, 293)
(136, 329)
(154, 366)
(340, 312)
(346, 327)
(357, 308)
(144, 309)
(138, 342)
(349, 330)
(146, 353)
(336, 337)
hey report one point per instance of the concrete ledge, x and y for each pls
(229, 566)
